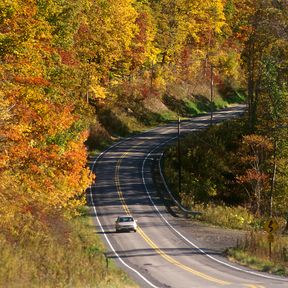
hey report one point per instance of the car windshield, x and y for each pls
(125, 219)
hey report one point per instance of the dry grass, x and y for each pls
(254, 253)
(64, 255)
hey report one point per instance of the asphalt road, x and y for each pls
(163, 252)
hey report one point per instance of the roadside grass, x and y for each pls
(63, 254)
(253, 252)
(225, 216)
(235, 96)
(167, 116)
(193, 107)
(220, 103)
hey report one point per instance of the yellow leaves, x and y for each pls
(107, 33)
(217, 15)
(99, 92)
(183, 22)
(5, 110)
(23, 128)
(4, 159)
(229, 61)
(7, 9)
(122, 18)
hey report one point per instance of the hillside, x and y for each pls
(76, 75)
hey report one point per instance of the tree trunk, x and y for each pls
(251, 86)
(285, 231)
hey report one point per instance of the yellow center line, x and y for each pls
(177, 263)
(151, 243)
(254, 286)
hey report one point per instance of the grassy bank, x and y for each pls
(63, 254)
(253, 252)
(129, 112)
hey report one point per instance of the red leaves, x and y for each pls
(256, 152)
(141, 22)
(68, 57)
(83, 29)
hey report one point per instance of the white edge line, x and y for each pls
(102, 229)
(165, 220)
(181, 235)
(96, 214)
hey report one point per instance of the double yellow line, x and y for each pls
(151, 243)
(156, 248)
(254, 286)
(118, 186)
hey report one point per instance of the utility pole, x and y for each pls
(273, 176)
(211, 94)
(179, 158)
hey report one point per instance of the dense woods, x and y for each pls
(253, 171)
(60, 59)
(64, 63)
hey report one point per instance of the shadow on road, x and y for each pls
(169, 251)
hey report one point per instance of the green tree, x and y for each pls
(266, 66)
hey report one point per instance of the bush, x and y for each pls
(209, 165)
(254, 253)
(229, 217)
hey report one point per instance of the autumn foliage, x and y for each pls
(58, 56)
(245, 165)
(60, 59)
(43, 157)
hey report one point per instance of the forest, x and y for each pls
(69, 69)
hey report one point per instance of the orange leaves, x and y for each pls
(38, 81)
(259, 148)
(256, 152)
(42, 153)
(244, 33)
(258, 142)
(252, 175)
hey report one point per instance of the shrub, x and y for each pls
(229, 217)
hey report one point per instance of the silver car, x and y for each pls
(125, 223)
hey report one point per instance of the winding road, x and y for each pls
(163, 252)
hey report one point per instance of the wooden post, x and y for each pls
(273, 177)
(179, 159)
